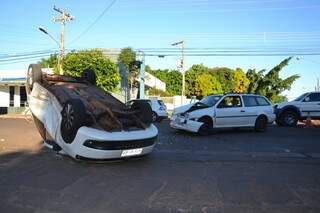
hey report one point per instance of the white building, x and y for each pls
(12, 89)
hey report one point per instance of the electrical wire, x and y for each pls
(94, 22)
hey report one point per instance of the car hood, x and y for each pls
(189, 108)
(182, 109)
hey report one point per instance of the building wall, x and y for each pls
(4, 96)
(16, 96)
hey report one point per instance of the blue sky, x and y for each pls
(271, 25)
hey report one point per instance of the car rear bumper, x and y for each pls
(97, 144)
(271, 118)
(162, 114)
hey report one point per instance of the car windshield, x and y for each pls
(300, 97)
(211, 100)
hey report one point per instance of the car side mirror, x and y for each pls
(306, 99)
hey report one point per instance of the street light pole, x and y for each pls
(65, 17)
(182, 43)
(55, 40)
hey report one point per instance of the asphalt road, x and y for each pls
(228, 171)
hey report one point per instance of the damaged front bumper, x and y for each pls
(183, 123)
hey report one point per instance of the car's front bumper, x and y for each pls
(97, 144)
(185, 124)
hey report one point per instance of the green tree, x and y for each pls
(270, 84)
(158, 92)
(206, 84)
(51, 62)
(108, 76)
(128, 58)
(172, 78)
(241, 82)
(254, 79)
(225, 76)
(191, 75)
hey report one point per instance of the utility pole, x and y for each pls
(141, 55)
(62, 19)
(182, 43)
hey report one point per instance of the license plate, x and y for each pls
(131, 152)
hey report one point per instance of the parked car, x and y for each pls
(306, 105)
(77, 118)
(159, 109)
(224, 111)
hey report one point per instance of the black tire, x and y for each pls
(40, 126)
(155, 117)
(206, 127)
(34, 74)
(289, 118)
(261, 124)
(145, 114)
(73, 117)
(90, 76)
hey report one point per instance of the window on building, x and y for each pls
(23, 96)
(11, 92)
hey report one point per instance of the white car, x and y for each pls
(224, 111)
(159, 109)
(306, 105)
(76, 118)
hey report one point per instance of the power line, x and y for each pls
(198, 10)
(94, 22)
(235, 54)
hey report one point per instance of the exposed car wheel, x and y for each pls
(73, 117)
(34, 74)
(206, 127)
(145, 114)
(90, 76)
(154, 117)
(289, 118)
(261, 124)
(40, 127)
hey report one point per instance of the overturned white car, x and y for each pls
(77, 118)
(224, 111)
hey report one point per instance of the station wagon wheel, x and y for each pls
(73, 117)
(206, 127)
(261, 124)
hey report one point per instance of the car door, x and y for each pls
(229, 112)
(310, 105)
(251, 109)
